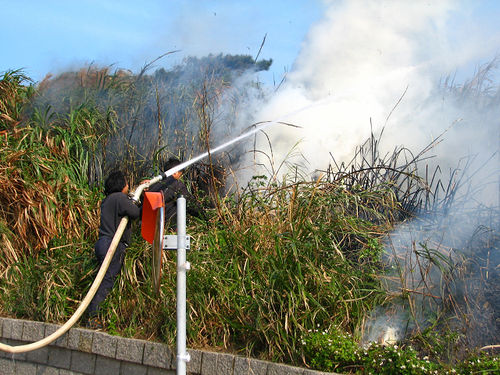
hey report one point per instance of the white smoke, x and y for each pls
(354, 67)
(373, 65)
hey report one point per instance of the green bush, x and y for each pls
(389, 360)
(330, 351)
(338, 351)
(480, 364)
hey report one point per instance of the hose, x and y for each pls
(490, 347)
(116, 239)
(93, 289)
(84, 304)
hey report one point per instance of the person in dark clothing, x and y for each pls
(114, 207)
(172, 187)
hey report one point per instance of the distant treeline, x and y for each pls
(134, 120)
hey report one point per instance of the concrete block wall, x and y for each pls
(81, 351)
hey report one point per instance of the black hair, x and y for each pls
(115, 182)
(170, 163)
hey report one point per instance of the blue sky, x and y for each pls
(56, 35)
(360, 55)
(52, 36)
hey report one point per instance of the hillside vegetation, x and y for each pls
(288, 270)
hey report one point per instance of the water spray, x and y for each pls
(170, 172)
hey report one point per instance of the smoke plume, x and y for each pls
(372, 65)
(389, 66)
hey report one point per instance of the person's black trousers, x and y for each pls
(101, 248)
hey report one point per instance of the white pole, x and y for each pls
(182, 268)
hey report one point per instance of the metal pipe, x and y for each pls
(182, 268)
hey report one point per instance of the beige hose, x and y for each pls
(491, 347)
(95, 285)
(83, 306)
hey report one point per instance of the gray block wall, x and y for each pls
(81, 351)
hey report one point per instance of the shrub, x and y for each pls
(480, 364)
(338, 351)
(330, 351)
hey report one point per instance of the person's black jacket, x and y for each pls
(172, 189)
(113, 208)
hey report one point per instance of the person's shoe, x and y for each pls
(94, 323)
